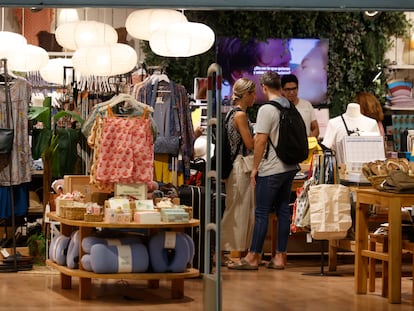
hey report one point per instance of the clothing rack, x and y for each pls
(17, 265)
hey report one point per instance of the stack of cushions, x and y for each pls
(401, 94)
(122, 255)
(167, 252)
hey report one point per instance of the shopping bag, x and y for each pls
(330, 211)
(301, 212)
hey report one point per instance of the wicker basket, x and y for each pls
(74, 213)
(93, 217)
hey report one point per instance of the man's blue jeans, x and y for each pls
(272, 195)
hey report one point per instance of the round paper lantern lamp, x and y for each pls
(182, 39)
(53, 72)
(9, 42)
(28, 58)
(67, 16)
(141, 23)
(105, 60)
(80, 34)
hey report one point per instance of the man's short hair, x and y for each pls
(288, 79)
(271, 79)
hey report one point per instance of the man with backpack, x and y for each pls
(271, 176)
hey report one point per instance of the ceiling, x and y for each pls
(325, 5)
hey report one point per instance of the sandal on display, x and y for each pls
(242, 265)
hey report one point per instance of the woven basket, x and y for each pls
(93, 217)
(74, 213)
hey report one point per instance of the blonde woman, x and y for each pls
(238, 218)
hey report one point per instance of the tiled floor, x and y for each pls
(290, 289)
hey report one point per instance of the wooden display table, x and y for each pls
(85, 277)
(394, 201)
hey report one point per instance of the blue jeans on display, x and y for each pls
(272, 195)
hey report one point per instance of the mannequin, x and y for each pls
(355, 121)
(353, 110)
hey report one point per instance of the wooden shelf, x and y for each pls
(85, 277)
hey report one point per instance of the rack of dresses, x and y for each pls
(13, 190)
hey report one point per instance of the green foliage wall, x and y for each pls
(356, 45)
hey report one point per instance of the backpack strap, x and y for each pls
(276, 104)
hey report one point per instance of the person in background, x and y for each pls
(238, 218)
(272, 179)
(290, 88)
(371, 107)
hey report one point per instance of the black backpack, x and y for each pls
(226, 158)
(292, 146)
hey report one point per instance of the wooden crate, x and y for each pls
(80, 183)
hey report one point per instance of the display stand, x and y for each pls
(85, 277)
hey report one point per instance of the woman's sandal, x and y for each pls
(242, 265)
(271, 265)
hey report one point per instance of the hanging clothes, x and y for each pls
(172, 114)
(15, 169)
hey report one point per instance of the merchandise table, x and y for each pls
(85, 277)
(394, 201)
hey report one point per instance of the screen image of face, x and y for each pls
(306, 58)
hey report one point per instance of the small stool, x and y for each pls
(373, 240)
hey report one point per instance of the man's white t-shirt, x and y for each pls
(307, 112)
(267, 122)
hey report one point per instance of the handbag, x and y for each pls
(247, 163)
(168, 145)
(7, 134)
(330, 211)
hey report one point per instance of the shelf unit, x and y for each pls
(85, 277)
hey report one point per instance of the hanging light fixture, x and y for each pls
(9, 42)
(28, 58)
(53, 72)
(105, 60)
(67, 16)
(141, 23)
(80, 34)
(182, 39)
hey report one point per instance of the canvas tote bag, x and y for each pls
(330, 211)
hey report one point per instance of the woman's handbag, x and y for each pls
(7, 134)
(6, 140)
(247, 163)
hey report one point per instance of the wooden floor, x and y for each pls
(290, 289)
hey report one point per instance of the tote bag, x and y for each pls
(330, 211)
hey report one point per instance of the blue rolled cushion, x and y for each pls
(86, 262)
(72, 257)
(89, 241)
(119, 259)
(170, 260)
(58, 249)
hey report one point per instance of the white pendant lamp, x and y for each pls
(105, 60)
(28, 58)
(81, 34)
(141, 23)
(182, 39)
(53, 72)
(67, 16)
(9, 42)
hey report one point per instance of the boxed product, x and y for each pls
(147, 217)
(174, 215)
(117, 210)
